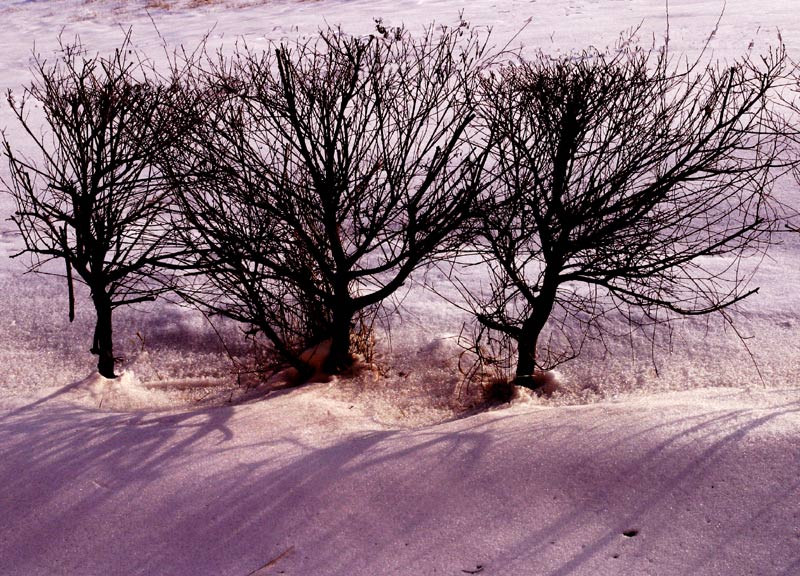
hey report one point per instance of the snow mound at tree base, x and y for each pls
(127, 393)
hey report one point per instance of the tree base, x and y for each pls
(105, 365)
(543, 382)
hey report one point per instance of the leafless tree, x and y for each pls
(626, 179)
(326, 172)
(90, 194)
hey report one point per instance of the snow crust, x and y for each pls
(669, 460)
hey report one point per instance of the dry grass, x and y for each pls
(168, 4)
(498, 391)
(184, 4)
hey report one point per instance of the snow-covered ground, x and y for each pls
(678, 459)
(306, 484)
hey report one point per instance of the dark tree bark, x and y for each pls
(528, 339)
(339, 358)
(103, 342)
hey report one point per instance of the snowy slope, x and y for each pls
(306, 485)
(369, 477)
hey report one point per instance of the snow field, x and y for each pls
(668, 460)
(304, 484)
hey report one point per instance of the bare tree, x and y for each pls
(90, 194)
(621, 178)
(326, 172)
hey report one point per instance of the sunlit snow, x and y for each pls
(678, 458)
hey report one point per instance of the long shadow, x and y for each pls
(59, 462)
(58, 393)
(674, 472)
(214, 492)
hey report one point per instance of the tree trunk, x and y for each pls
(103, 345)
(339, 357)
(526, 357)
(528, 339)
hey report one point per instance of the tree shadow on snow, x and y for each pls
(505, 493)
